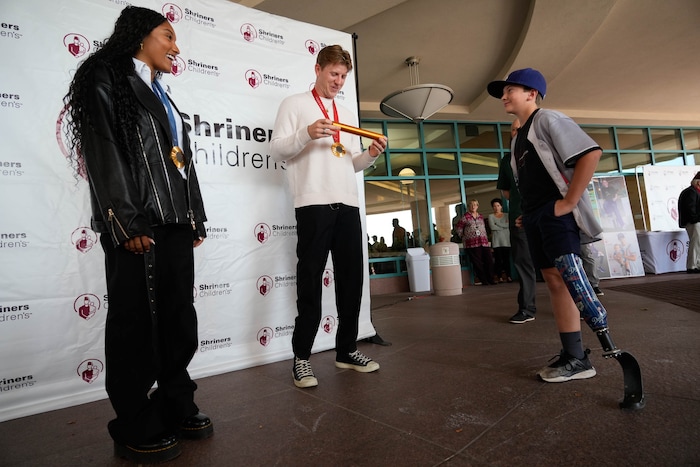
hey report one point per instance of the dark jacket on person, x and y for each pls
(130, 194)
(688, 206)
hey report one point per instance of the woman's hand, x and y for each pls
(139, 245)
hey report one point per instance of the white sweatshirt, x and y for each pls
(315, 175)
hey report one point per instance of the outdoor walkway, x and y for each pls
(456, 388)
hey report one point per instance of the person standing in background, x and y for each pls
(689, 218)
(321, 167)
(500, 241)
(590, 258)
(472, 230)
(524, 267)
(399, 241)
(127, 135)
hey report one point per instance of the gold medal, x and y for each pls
(338, 150)
(178, 157)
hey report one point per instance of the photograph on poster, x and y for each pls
(597, 251)
(622, 253)
(613, 203)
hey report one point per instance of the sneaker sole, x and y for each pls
(526, 320)
(369, 368)
(562, 379)
(306, 382)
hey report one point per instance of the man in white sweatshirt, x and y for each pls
(321, 163)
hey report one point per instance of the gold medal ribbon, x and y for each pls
(337, 148)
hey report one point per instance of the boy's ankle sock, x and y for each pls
(571, 341)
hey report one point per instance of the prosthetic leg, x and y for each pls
(593, 312)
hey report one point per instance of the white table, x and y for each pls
(663, 251)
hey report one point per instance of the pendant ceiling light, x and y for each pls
(418, 101)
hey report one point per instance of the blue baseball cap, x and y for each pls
(527, 77)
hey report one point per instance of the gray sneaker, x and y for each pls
(303, 375)
(567, 368)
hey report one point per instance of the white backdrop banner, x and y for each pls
(236, 65)
(662, 185)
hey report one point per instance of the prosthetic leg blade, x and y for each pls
(634, 392)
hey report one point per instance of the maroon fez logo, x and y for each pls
(172, 12)
(90, 369)
(76, 44)
(265, 336)
(86, 305)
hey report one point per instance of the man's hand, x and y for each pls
(322, 128)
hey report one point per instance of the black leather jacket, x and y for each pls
(131, 195)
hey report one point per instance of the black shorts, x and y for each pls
(550, 237)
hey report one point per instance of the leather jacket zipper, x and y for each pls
(190, 214)
(148, 169)
(112, 219)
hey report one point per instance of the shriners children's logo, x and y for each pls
(86, 305)
(253, 78)
(265, 336)
(83, 238)
(249, 32)
(327, 277)
(328, 324)
(312, 47)
(90, 369)
(675, 250)
(76, 44)
(177, 67)
(172, 12)
(265, 284)
(672, 207)
(262, 232)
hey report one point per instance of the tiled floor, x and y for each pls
(456, 388)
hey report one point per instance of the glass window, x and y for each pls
(632, 139)
(478, 136)
(442, 163)
(401, 161)
(378, 169)
(439, 135)
(632, 160)
(482, 191)
(444, 196)
(608, 163)
(403, 136)
(479, 163)
(602, 136)
(404, 201)
(691, 138)
(666, 140)
(506, 136)
(668, 159)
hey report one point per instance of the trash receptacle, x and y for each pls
(418, 265)
(447, 272)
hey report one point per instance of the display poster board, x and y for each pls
(235, 67)
(617, 253)
(662, 185)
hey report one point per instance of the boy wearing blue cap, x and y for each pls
(553, 161)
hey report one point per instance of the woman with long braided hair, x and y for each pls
(126, 137)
